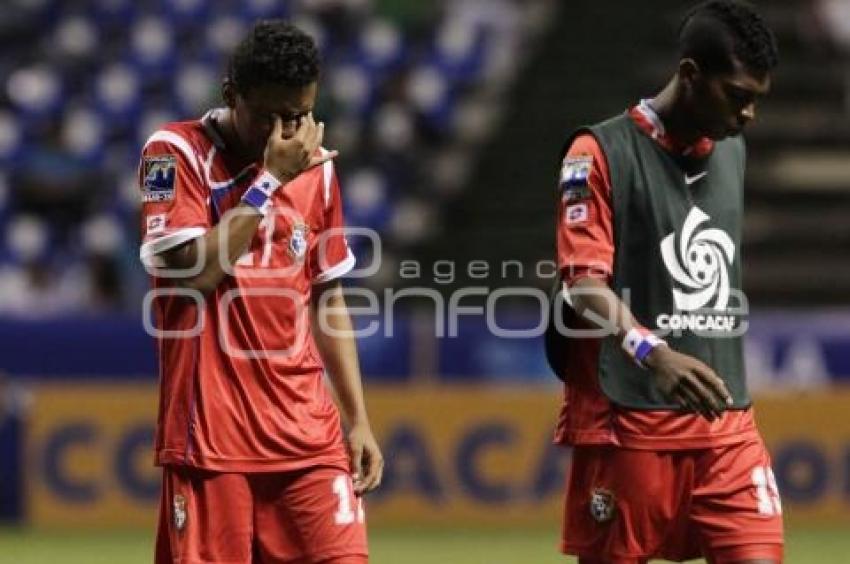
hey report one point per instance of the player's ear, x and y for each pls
(228, 92)
(689, 72)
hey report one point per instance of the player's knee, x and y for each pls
(747, 554)
(613, 560)
(749, 561)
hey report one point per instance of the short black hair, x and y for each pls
(716, 33)
(274, 53)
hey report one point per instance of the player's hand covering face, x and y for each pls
(367, 463)
(254, 112)
(287, 156)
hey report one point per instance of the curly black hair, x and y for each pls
(274, 53)
(716, 33)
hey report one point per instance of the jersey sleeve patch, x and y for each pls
(577, 214)
(155, 224)
(159, 178)
(575, 174)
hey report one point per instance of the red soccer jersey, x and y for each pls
(585, 241)
(244, 391)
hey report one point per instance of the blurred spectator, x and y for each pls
(54, 184)
(835, 18)
(403, 80)
(34, 285)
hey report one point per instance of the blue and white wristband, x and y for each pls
(259, 195)
(639, 342)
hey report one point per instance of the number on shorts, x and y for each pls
(344, 514)
(766, 491)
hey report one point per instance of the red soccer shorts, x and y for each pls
(628, 505)
(297, 517)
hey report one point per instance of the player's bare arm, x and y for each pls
(333, 333)
(681, 378)
(284, 158)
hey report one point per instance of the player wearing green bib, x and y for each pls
(667, 460)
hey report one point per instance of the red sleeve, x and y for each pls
(585, 236)
(330, 256)
(175, 206)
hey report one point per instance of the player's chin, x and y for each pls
(729, 131)
(723, 134)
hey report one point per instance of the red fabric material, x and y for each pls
(699, 149)
(587, 249)
(773, 553)
(675, 505)
(246, 392)
(275, 518)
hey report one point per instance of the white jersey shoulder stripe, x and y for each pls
(177, 141)
(149, 250)
(338, 270)
(327, 173)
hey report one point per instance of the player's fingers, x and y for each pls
(707, 403)
(320, 134)
(315, 134)
(688, 399)
(321, 159)
(374, 470)
(368, 473)
(677, 397)
(713, 387)
(714, 383)
(301, 130)
(308, 125)
(379, 474)
(356, 454)
(277, 128)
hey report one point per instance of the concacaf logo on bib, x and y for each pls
(698, 259)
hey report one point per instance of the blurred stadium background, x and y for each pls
(448, 116)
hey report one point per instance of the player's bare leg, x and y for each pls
(613, 561)
(756, 561)
(747, 561)
(747, 554)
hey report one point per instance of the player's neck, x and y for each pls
(671, 109)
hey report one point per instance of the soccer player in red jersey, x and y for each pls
(242, 224)
(667, 461)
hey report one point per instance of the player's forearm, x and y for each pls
(334, 336)
(221, 246)
(594, 300)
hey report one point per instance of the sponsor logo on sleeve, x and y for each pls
(576, 213)
(159, 177)
(155, 224)
(576, 194)
(575, 171)
(574, 179)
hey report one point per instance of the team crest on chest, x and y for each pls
(298, 241)
(602, 505)
(179, 512)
